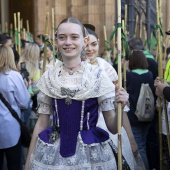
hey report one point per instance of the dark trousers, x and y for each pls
(13, 157)
(152, 144)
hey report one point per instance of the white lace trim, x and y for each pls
(93, 144)
(47, 157)
(107, 104)
(109, 165)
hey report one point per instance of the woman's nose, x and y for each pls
(88, 48)
(68, 40)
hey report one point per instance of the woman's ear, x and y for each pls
(86, 40)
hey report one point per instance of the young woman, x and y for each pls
(31, 59)
(73, 91)
(92, 50)
(15, 92)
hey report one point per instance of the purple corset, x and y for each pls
(70, 117)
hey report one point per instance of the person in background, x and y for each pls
(92, 50)
(5, 39)
(40, 40)
(152, 137)
(167, 68)
(139, 72)
(51, 59)
(162, 89)
(31, 59)
(24, 45)
(15, 92)
(41, 60)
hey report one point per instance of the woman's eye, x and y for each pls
(94, 44)
(61, 37)
(74, 37)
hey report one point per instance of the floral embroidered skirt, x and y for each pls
(98, 156)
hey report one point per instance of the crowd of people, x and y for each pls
(79, 92)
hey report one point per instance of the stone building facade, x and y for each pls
(96, 12)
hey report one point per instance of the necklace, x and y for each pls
(94, 62)
(72, 69)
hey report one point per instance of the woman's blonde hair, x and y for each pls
(31, 58)
(6, 59)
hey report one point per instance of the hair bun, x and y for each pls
(90, 26)
(167, 32)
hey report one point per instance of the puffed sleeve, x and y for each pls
(107, 102)
(45, 104)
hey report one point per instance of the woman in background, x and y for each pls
(15, 92)
(139, 72)
(92, 50)
(31, 59)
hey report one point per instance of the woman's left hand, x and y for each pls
(122, 96)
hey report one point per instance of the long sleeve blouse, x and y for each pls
(15, 92)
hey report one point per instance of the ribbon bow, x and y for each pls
(69, 93)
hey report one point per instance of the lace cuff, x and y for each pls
(107, 104)
(45, 104)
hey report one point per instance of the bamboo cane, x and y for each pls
(105, 39)
(24, 34)
(145, 37)
(28, 28)
(11, 30)
(124, 59)
(126, 19)
(0, 28)
(19, 35)
(21, 21)
(45, 46)
(136, 25)
(160, 75)
(140, 29)
(6, 27)
(53, 36)
(114, 49)
(119, 85)
(15, 27)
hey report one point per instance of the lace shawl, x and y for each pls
(89, 82)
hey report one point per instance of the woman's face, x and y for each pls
(92, 48)
(70, 40)
(49, 52)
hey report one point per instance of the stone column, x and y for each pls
(4, 13)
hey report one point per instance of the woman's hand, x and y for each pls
(159, 86)
(159, 89)
(156, 81)
(134, 147)
(122, 96)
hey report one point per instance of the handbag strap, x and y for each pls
(13, 112)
